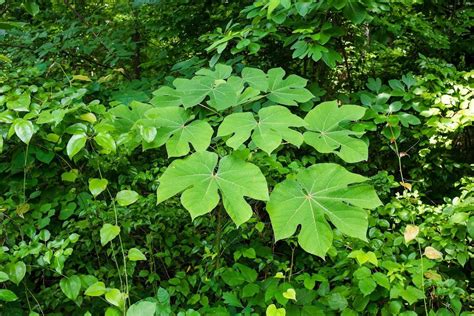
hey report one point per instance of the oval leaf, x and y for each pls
(24, 130)
(126, 197)
(411, 231)
(75, 144)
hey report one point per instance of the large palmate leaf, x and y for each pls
(320, 193)
(272, 126)
(174, 126)
(224, 91)
(327, 135)
(289, 91)
(200, 183)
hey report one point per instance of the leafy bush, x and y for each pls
(144, 174)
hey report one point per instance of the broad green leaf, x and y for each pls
(268, 132)
(108, 233)
(126, 197)
(290, 294)
(272, 5)
(197, 177)
(318, 194)
(272, 310)
(174, 130)
(71, 286)
(116, 298)
(16, 271)
(24, 130)
(3, 277)
(231, 299)
(31, 7)
(75, 144)
(127, 118)
(166, 96)
(97, 186)
(106, 141)
(381, 280)
(256, 78)
(96, 289)
(70, 176)
(289, 91)
(354, 11)
(193, 91)
(135, 254)
(142, 308)
(7, 296)
(327, 135)
(88, 117)
(222, 93)
(20, 103)
(367, 286)
(112, 311)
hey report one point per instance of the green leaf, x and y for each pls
(327, 135)
(75, 144)
(70, 176)
(268, 132)
(7, 296)
(337, 302)
(411, 294)
(319, 193)
(174, 130)
(142, 308)
(20, 103)
(31, 7)
(106, 141)
(16, 271)
(354, 11)
(256, 78)
(196, 176)
(126, 197)
(97, 186)
(135, 254)
(272, 5)
(3, 277)
(96, 289)
(272, 310)
(116, 298)
(71, 286)
(23, 129)
(108, 233)
(289, 91)
(231, 299)
(290, 294)
(112, 311)
(367, 286)
(381, 280)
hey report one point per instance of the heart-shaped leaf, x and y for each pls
(97, 186)
(108, 233)
(71, 286)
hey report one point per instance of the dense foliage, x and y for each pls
(258, 157)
